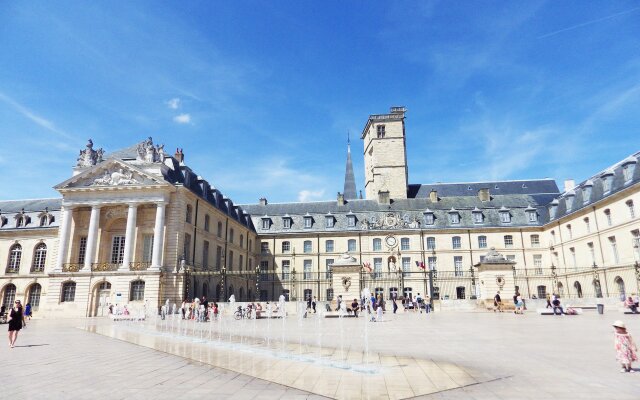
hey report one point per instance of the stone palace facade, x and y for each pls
(138, 226)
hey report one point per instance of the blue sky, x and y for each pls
(261, 95)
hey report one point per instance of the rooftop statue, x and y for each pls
(149, 153)
(90, 157)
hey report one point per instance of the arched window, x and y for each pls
(560, 289)
(578, 287)
(351, 245)
(39, 258)
(377, 244)
(137, 291)
(620, 286)
(68, 292)
(286, 247)
(404, 244)
(34, 295)
(15, 255)
(9, 295)
(597, 288)
(188, 217)
(632, 211)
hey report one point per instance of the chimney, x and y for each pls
(340, 199)
(179, 156)
(263, 201)
(569, 184)
(383, 197)
(433, 196)
(484, 195)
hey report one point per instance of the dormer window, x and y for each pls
(454, 217)
(628, 167)
(532, 216)
(569, 200)
(308, 221)
(478, 217)
(44, 220)
(505, 216)
(553, 208)
(380, 131)
(287, 222)
(266, 223)
(351, 221)
(428, 217)
(586, 192)
(607, 180)
(329, 221)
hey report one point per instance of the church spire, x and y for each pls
(349, 179)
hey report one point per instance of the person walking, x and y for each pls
(549, 301)
(427, 304)
(27, 311)
(395, 305)
(16, 322)
(626, 350)
(313, 304)
(419, 301)
(497, 302)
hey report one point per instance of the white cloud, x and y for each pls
(182, 119)
(174, 103)
(310, 195)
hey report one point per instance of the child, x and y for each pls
(625, 347)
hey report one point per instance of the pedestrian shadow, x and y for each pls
(34, 345)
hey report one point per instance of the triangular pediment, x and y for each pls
(111, 173)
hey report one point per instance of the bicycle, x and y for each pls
(241, 313)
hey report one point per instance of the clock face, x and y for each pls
(391, 241)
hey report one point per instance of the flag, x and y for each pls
(367, 266)
(420, 264)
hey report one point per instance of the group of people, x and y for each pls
(199, 310)
(632, 303)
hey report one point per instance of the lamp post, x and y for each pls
(596, 280)
(554, 276)
(257, 296)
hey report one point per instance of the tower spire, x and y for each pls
(349, 179)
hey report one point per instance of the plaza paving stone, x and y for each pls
(451, 355)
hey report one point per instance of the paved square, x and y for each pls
(439, 356)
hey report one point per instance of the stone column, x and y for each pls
(130, 236)
(92, 237)
(158, 237)
(65, 229)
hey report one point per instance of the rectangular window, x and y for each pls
(511, 257)
(587, 225)
(307, 269)
(327, 264)
(433, 263)
(614, 250)
(570, 231)
(308, 222)
(264, 270)
(508, 241)
(457, 263)
(537, 263)
(404, 244)
(286, 247)
(533, 216)
(231, 235)
(431, 243)
(286, 223)
(482, 242)
(535, 240)
(377, 267)
(206, 223)
(505, 217)
(406, 266)
(186, 249)
(456, 242)
(351, 220)
(147, 248)
(117, 250)
(428, 219)
(377, 244)
(351, 245)
(636, 243)
(219, 229)
(607, 213)
(592, 252)
(286, 266)
(264, 247)
(82, 250)
(241, 262)
(574, 263)
(230, 263)
(218, 257)
(266, 223)
(329, 222)
(478, 218)
(328, 246)
(454, 218)
(380, 131)
(308, 247)
(205, 254)
(632, 211)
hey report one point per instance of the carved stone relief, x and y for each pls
(114, 177)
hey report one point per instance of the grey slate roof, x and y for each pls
(597, 187)
(10, 209)
(532, 186)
